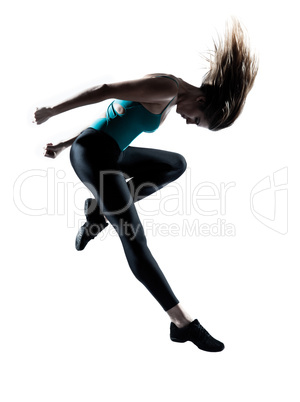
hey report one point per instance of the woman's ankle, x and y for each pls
(179, 316)
(182, 323)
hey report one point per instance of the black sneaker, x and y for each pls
(93, 226)
(195, 333)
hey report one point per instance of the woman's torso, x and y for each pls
(125, 120)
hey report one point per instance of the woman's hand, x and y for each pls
(42, 115)
(51, 151)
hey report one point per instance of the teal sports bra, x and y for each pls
(125, 127)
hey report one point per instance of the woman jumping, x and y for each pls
(118, 175)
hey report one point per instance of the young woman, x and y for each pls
(118, 175)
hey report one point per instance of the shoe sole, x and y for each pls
(81, 241)
(177, 340)
(79, 245)
(78, 241)
(201, 348)
(87, 204)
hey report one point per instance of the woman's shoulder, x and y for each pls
(167, 87)
(156, 75)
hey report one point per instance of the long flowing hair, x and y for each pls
(231, 76)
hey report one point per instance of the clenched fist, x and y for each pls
(51, 151)
(42, 115)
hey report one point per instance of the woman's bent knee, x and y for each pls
(180, 164)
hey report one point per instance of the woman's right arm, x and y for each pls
(148, 90)
(92, 95)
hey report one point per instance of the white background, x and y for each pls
(77, 326)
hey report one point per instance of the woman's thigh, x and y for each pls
(138, 161)
(99, 172)
(150, 169)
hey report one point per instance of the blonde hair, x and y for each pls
(230, 78)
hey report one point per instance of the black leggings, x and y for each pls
(104, 168)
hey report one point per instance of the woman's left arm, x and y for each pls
(52, 151)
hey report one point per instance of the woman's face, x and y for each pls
(191, 111)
